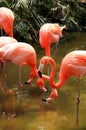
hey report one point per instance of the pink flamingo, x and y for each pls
(22, 54)
(4, 40)
(7, 20)
(49, 33)
(73, 64)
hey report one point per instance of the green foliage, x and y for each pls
(81, 17)
(44, 7)
(4, 3)
(31, 15)
(76, 15)
(27, 23)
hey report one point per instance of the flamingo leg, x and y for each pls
(1, 31)
(47, 51)
(4, 74)
(78, 102)
(20, 84)
(3, 65)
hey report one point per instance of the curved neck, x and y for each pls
(53, 71)
(52, 74)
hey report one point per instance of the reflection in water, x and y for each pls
(33, 114)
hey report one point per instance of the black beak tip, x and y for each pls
(40, 74)
(44, 100)
(26, 82)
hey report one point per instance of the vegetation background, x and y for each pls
(30, 15)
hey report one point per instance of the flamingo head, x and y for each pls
(40, 83)
(53, 95)
(43, 61)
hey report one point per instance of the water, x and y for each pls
(33, 114)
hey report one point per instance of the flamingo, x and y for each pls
(4, 40)
(73, 64)
(7, 20)
(21, 53)
(50, 33)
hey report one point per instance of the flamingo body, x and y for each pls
(21, 54)
(73, 64)
(49, 34)
(7, 20)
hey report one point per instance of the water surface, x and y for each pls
(33, 114)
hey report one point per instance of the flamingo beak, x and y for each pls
(40, 69)
(48, 100)
(40, 74)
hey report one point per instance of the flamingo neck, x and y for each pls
(53, 71)
(52, 74)
(47, 51)
(33, 72)
(45, 77)
(59, 84)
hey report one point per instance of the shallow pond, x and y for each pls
(32, 113)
